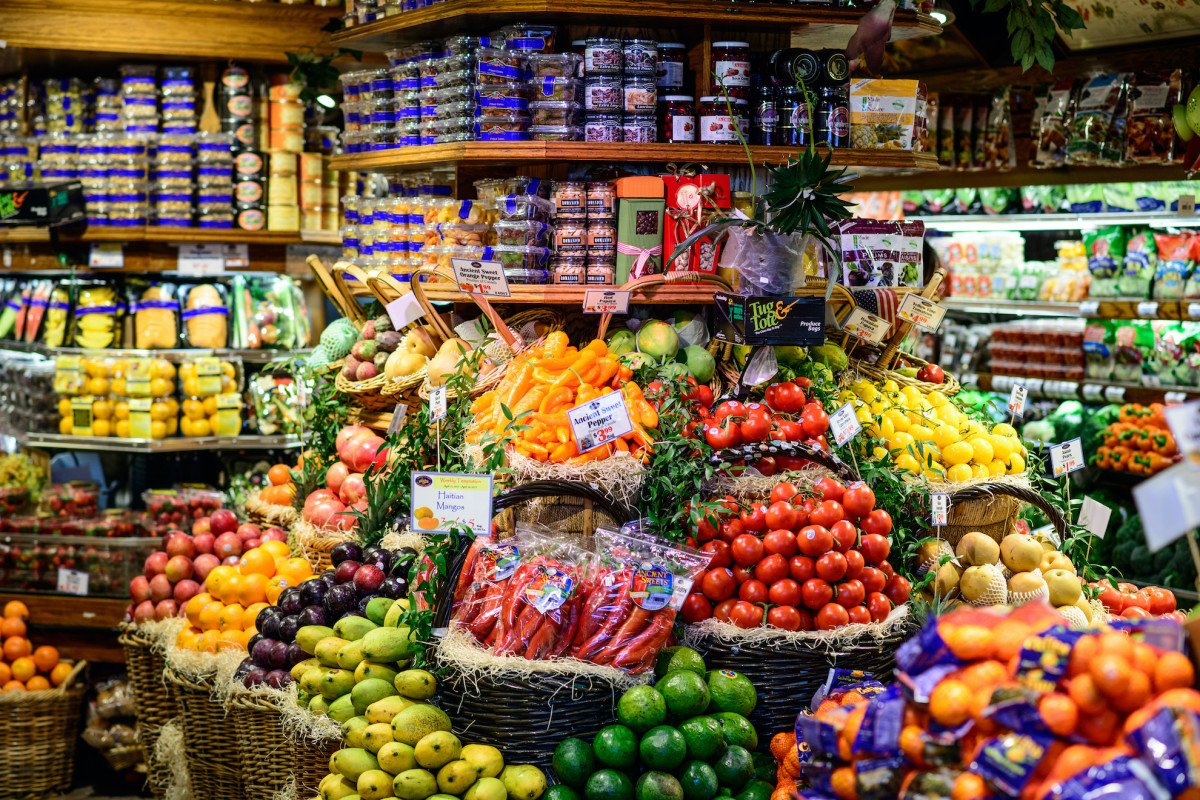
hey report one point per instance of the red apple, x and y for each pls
(160, 588)
(203, 542)
(202, 525)
(180, 544)
(227, 544)
(144, 611)
(185, 590)
(178, 568)
(204, 563)
(166, 609)
(361, 453)
(139, 589)
(353, 489)
(931, 373)
(223, 521)
(248, 530)
(317, 496)
(250, 544)
(232, 561)
(274, 534)
(156, 562)
(335, 475)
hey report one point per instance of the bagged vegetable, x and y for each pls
(154, 306)
(264, 313)
(1145, 195)
(966, 200)
(1105, 255)
(278, 402)
(54, 330)
(1099, 358)
(541, 605)
(1085, 198)
(997, 200)
(1119, 197)
(1174, 265)
(1050, 134)
(205, 315)
(1097, 110)
(1137, 270)
(481, 587)
(938, 201)
(1134, 342)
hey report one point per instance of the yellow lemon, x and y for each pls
(1016, 464)
(863, 414)
(64, 406)
(172, 426)
(101, 427)
(119, 386)
(1004, 429)
(122, 428)
(900, 440)
(64, 426)
(959, 473)
(898, 418)
(160, 411)
(1002, 448)
(982, 450)
(907, 463)
(102, 409)
(121, 410)
(944, 435)
(200, 427)
(158, 429)
(996, 468)
(957, 453)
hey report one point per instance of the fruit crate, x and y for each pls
(30, 561)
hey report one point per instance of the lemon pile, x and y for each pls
(930, 437)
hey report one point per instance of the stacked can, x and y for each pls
(557, 105)
(250, 189)
(93, 174)
(235, 106)
(286, 118)
(173, 183)
(676, 110)
(58, 158)
(106, 108)
(311, 190)
(283, 213)
(139, 99)
(64, 105)
(214, 180)
(128, 158)
(406, 84)
(178, 90)
(10, 105)
(620, 90)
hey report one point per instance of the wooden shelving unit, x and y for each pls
(169, 235)
(1087, 390)
(952, 179)
(80, 627)
(572, 295)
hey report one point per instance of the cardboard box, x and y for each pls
(770, 319)
(640, 212)
(48, 205)
(692, 201)
(887, 114)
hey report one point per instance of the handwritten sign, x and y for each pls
(844, 424)
(1066, 457)
(605, 301)
(939, 505)
(866, 326)
(1016, 400)
(599, 421)
(923, 313)
(437, 404)
(1184, 422)
(480, 277)
(444, 500)
(199, 258)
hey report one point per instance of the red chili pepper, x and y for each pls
(467, 576)
(635, 624)
(569, 627)
(489, 612)
(651, 639)
(600, 638)
(603, 597)
(514, 595)
(543, 638)
(521, 633)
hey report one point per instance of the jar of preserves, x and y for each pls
(640, 95)
(641, 57)
(765, 116)
(717, 125)
(603, 128)
(833, 120)
(669, 73)
(795, 111)
(639, 128)
(678, 118)
(730, 64)
(603, 94)
(603, 56)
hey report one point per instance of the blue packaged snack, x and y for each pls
(1169, 745)
(880, 729)
(839, 680)
(1009, 761)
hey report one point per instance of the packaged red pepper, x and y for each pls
(486, 572)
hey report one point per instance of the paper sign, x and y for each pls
(866, 326)
(201, 259)
(72, 581)
(1114, 394)
(1016, 400)
(1169, 504)
(939, 505)
(441, 500)
(398, 415)
(404, 310)
(605, 301)
(844, 424)
(925, 314)
(237, 255)
(1175, 397)
(1067, 457)
(1184, 422)
(1187, 205)
(599, 421)
(106, 255)
(1193, 310)
(1094, 516)
(437, 404)
(1088, 308)
(480, 277)
(1147, 309)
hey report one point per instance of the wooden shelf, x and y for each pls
(570, 295)
(952, 179)
(817, 26)
(178, 29)
(170, 235)
(80, 627)
(174, 444)
(402, 158)
(956, 223)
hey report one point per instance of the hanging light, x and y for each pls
(942, 13)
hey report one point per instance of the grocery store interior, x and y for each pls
(662, 400)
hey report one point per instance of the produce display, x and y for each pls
(24, 667)
(1139, 441)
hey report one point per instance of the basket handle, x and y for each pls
(513, 341)
(647, 281)
(803, 450)
(346, 303)
(73, 675)
(532, 490)
(343, 270)
(980, 490)
(888, 355)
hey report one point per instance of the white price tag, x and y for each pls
(1068, 390)
(939, 505)
(1193, 310)
(404, 310)
(437, 404)
(398, 415)
(72, 581)
(1016, 400)
(1092, 392)
(480, 277)
(106, 255)
(1184, 422)
(866, 326)
(199, 258)
(925, 314)
(1036, 386)
(1094, 516)
(1114, 394)
(605, 301)
(1169, 504)
(1066, 457)
(969, 380)
(237, 255)
(599, 421)
(1187, 205)
(844, 424)
(1147, 309)
(1175, 397)
(1088, 308)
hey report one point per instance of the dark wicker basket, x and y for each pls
(752, 452)
(527, 718)
(212, 747)
(38, 734)
(153, 699)
(992, 508)
(268, 756)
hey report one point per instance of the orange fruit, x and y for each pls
(1082, 689)
(216, 581)
(209, 641)
(231, 640)
(295, 569)
(210, 616)
(1099, 728)
(950, 703)
(1007, 638)
(230, 617)
(1179, 698)
(849, 731)
(1144, 657)
(912, 744)
(1173, 671)
(1118, 644)
(1136, 693)
(23, 669)
(1110, 672)
(257, 562)
(968, 642)
(1087, 648)
(781, 744)
(16, 647)
(12, 626)
(15, 608)
(252, 589)
(276, 549)
(275, 587)
(60, 672)
(1059, 712)
(279, 475)
(194, 606)
(14, 686)
(983, 674)
(5, 673)
(37, 684)
(1073, 760)
(980, 700)
(45, 657)
(844, 783)
(969, 786)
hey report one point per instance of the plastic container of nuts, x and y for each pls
(550, 65)
(523, 233)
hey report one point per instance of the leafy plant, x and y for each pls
(1032, 26)
(316, 71)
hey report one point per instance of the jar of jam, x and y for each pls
(640, 95)
(730, 64)
(678, 118)
(765, 116)
(641, 57)
(603, 94)
(795, 111)
(671, 57)
(603, 56)
(715, 123)
(639, 128)
(603, 128)
(833, 120)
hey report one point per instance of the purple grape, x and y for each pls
(312, 592)
(370, 553)
(346, 570)
(261, 654)
(290, 601)
(277, 679)
(295, 655)
(254, 677)
(288, 627)
(246, 665)
(313, 615)
(395, 588)
(384, 560)
(345, 551)
(329, 579)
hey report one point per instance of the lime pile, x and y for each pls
(687, 737)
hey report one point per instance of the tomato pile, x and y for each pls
(799, 561)
(1129, 601)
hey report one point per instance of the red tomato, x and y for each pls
(1135, 612)
(887, 569)
(720, 553)
(767, 466)
(730, 530)
(703, 396)
(830, 489)
(722, 609)
(754, 519)
(1161, 600)
(724, 434)
(706, 528)
(878, 521)
(814, 419)
(802, 382)
(777, 434)
(731, 505)
(879, 606)
(718, 584)
(696, 608)
(855, 564)
(769, 396)
(844, 534)
(1176, 616)
(1136, 599)
(831, 616)
(1112, 598)
(898, 589)
(785, 593)
(782, 542)
(816, 593)
(801, 568)
(741, 574)
(859, 614)
(747, 550)
(804, 513)
(753, 591)
(756, 428)
(781, 515)
(859, 500)
(874, 548)
(730, 408)
(873, 580)
(771, 569)
(746, 615)
(851, 593)
(831, 566)
(814, 540)
(785, 618)
(788, 397)
(783, 491)
(827, 513)
(792, 431)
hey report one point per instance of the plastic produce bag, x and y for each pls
(1105, 256)
(767, 263)
(481, 585)
(540, 606)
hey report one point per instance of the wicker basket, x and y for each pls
(153, 700)
(316, 544)
(38, 733)
(212, 749)
(268, 756)
(992, 508)
(262, 513)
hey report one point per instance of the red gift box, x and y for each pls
(692, 202)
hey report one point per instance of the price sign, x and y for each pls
(925, 314)
(437, 404)
(1187, 205)
(844, 424)
(1175, 397)
(1092, 392)
(1088, 308)
(1193, 310)
(445, 500)
(404, 310)
(398, 415)
(939, 505)
(1184, 422)
(1016, 400)
(81, 415)
(72, 581)
(1094, 516)
(866, 326)
(1066, 457)
(237, 255)
(140, 420)
(106, 255)
(1169, 504)
(480, 277)
(599, 421)
(605, 301)
(201, 259)
(1147, 309)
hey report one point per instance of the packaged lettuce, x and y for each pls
(1134, 341)
(1095, 110)
(966, 200)
(1147, 196)
(938, 201)
(1170, 362)
(1105, 254)
(1119, 197)
(1174, 265)
(1054, 199)
(1099, 359)
(1085, 198)
(1191, 289)
(1137, 271)
(1029, 199)
(997, 200)
(911, 201)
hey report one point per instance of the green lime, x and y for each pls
(641, 708)
(573, 762)
(679, 658)
(703, 737)
(699, 781)
(608, 784)
(765, 767)
(756, 790)
(659, 786)
(561, 792)
(663, 748)
(731, 691)
(616, 746)
(686, 693)
(734, 768)
(736, 729)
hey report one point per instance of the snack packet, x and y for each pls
(1097, 109)
(540, 606)
(1138, 268)
(1085, 198)
(1175, 265)
(1099, 359)
(1150, 134)
(1051, 134)
(1105, 255)
(997, 151)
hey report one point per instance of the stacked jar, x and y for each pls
(283, 212)
(311, 190)
(64, 105)
(173, 184)
(620, 90)
(106, 114)
(178, 91)
(10, 105)
(17, 160)
(287, 118)
(676, 110)
(214, 180)
(406, 84)
(804, 97)
(58, 158)
(585, 232)
(250, 189)
(93, 174)
(235, 106)
(557, 105)
(139, 99)
(128, 158)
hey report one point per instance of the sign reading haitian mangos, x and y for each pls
(42, 206)
(442, 500)
(770, 319)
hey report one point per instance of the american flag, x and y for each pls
(882, 302)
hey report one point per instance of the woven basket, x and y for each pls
(877, 374)
(262, 513)
(992, 508)
(316, 544)
(267, 755)
(787, 668)
(403, 390)
(153, 700)
(38, 734)
(212, 749)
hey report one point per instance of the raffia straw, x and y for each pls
(301, 725)
(620, 475)
(825, 640)
(1021, 480)
(288, 791)
(403, 538)
(171, 750)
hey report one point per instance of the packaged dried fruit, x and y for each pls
(58, 309)
(1150, 133)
